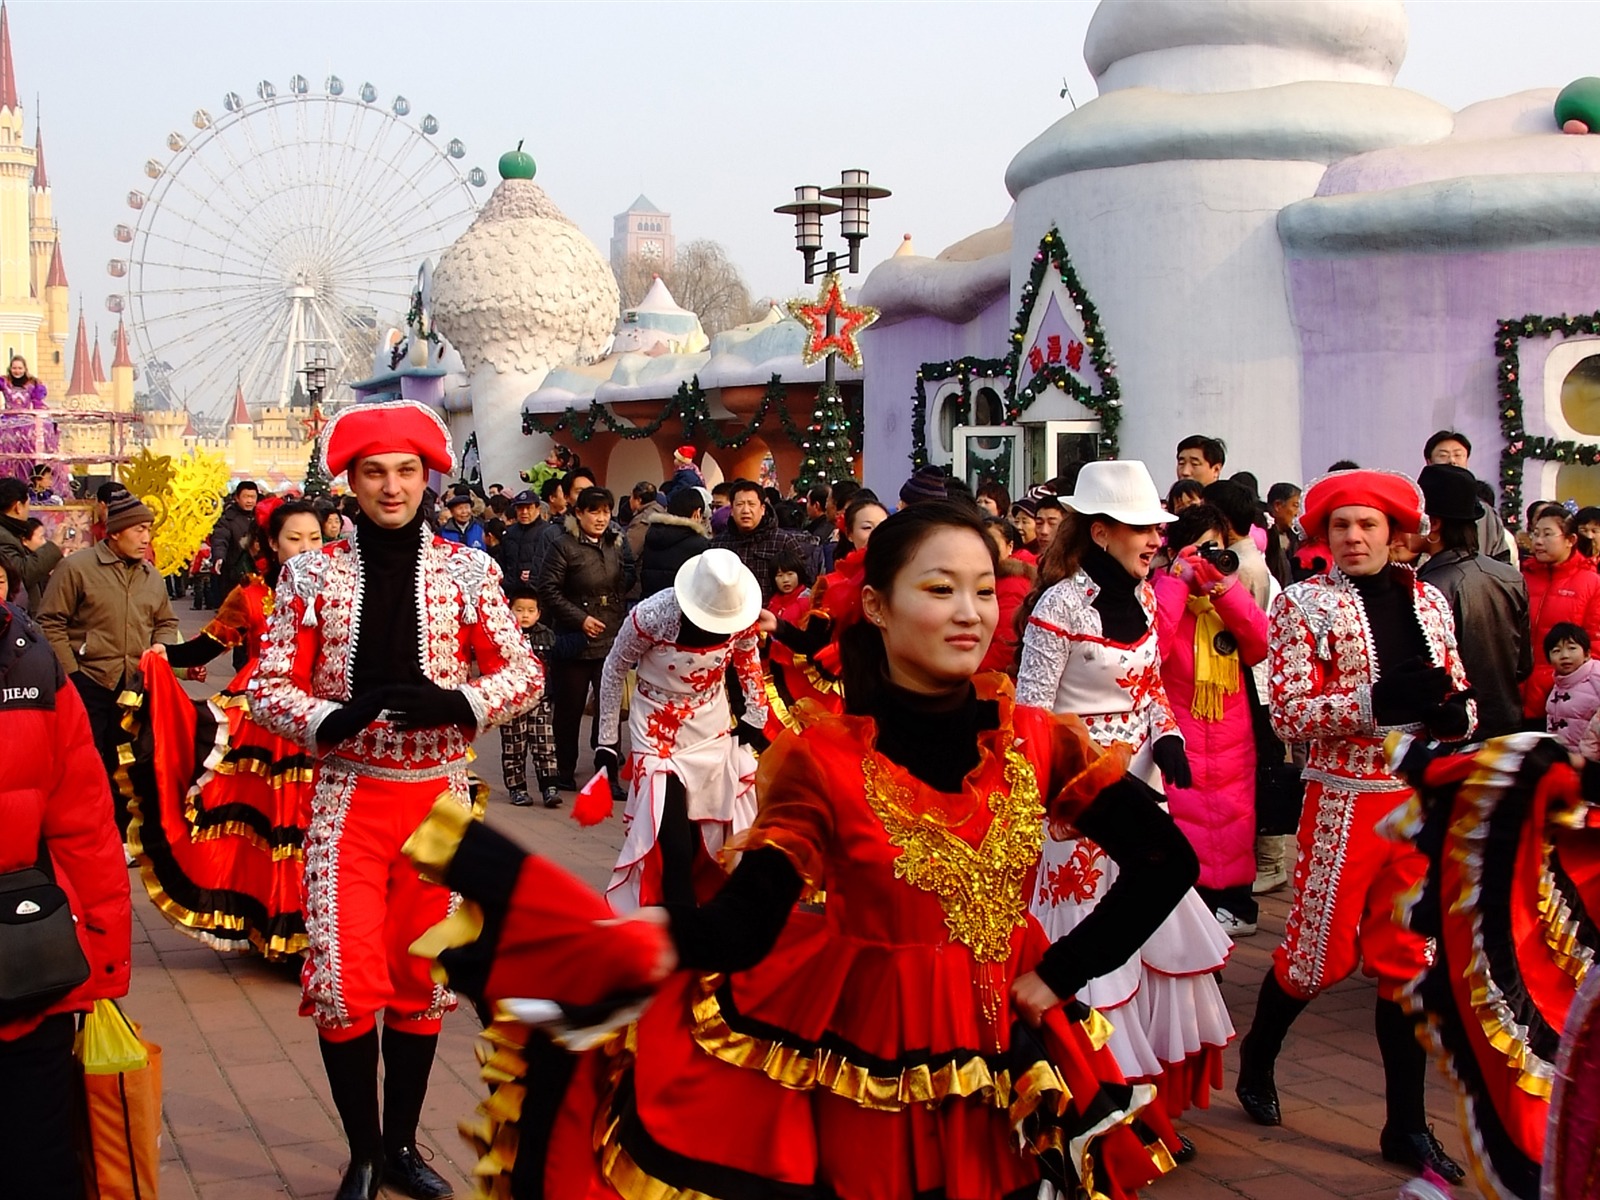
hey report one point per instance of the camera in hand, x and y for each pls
(1220, 557)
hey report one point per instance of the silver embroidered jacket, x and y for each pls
(1322, 672)
(309, 653)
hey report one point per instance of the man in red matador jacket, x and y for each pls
(1355, 652)
(365, 663)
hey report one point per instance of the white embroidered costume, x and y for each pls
(373, 783)
(1168, 1013)
(678, 725)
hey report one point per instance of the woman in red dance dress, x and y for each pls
(222, 804)
(803, 662)
(907, 1031)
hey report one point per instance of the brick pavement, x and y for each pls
(248, 1113)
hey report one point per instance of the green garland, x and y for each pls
(691, 409)
(1519, 447)
(1106, 404)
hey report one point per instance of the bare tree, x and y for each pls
(701, 278)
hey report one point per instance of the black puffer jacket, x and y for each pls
(522, 550)
(582, 579)
(230, 542)
(669, 542)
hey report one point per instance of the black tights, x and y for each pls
(1405, 1062)
(678, 840)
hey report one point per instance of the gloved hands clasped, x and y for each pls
(1419, 692)
(409, 706)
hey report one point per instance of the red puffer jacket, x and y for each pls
(1568, 591)
(53, 785)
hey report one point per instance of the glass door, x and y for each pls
(987, 454)
(1053, 446)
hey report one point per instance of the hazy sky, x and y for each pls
(714, 110)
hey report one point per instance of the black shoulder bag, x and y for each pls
(40, 959)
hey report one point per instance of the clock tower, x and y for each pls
(643, 232)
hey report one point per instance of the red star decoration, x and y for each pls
(314, 423)
(851, 318)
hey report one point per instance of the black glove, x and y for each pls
(350, 719)
(1173, 760)
(607, 759)
(750, 736)
(1448, 721)
(1404, 693)
(428, 706)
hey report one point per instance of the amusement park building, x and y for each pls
(1253, 234)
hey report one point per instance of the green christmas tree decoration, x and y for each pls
(317, 481)
(825, 448)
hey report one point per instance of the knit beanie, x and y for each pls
(124, 511)
(926, 483)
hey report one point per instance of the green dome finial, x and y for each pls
(517, 164)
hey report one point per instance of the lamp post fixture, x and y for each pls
(811, 203)
(316, 373)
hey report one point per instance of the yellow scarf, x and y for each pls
(1215, 675)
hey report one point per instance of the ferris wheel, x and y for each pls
(283, 232)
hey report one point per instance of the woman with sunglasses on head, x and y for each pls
(907, 1030)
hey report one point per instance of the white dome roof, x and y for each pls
(523, 289)
(1230, 45)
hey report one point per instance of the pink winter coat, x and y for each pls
(1573, 701)
(1217, 814)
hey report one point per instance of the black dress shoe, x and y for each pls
(407, 1173)
(361, 1180)
(1418, 1150)
(1258, 1096)
(1186, 1150)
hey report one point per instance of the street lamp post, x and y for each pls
(811, 203)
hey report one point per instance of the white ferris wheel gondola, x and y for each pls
(283, 230)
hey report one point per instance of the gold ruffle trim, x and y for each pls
(1558, 927)
(804, 1070)
(433, 844)
(1494, 765)
(492, 1130)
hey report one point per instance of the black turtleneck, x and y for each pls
(1392, 615)
(1122, 617)
(387, 650)
(935, 738)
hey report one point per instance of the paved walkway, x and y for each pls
(248, 1113)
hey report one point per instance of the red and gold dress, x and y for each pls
(803, 666)
(222, 805)
(872, 1053)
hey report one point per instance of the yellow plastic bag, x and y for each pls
(122, 1106)
(108, 1043)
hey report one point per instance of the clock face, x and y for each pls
(650, 248)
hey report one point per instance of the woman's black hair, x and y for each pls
(1007, 530)
(275, 523)
(1184, 487)
(1194, 523)
(1569, 526)
(862, 499)
(889, 549)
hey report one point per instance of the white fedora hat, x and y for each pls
(717, 592)
(1122, 490)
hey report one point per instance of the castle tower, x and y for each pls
(42, 225)
(645, 232)
(21, 314)
(52, 338)
(97, 372)
(121, 371)
(241, 436)
(81, 392)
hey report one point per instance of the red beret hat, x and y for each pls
(393, 427)
(1395, 495)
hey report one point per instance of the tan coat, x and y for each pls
(101, 613)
